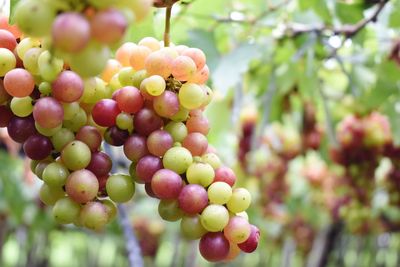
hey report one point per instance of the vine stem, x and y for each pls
(132, 246)
(167, 38)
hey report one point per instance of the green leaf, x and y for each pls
(13, 4)
(394, 19)
(232, 66)
(349, 13)
(142, 29)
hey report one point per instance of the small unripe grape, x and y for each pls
(76, 155)
(111, 209)
(177, 130)
(239, 201)
(169, 210)
(120, 188)
(94, 216)
(219, 193)
(66, 211)
(191, 96)
(21, 106)
(61, 138)
(214, 218)
(154, 85)
(124, 121)
(55, 174)
(212, 159)
(200, 173)
(49, 194)
(177, 159)
(191, 227)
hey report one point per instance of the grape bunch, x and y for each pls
(79, 32)
(148, 100)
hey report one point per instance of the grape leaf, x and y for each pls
(13, 4)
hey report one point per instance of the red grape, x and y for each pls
(251, 243)
(129, 99)
(37, 147)
(159, 142)
(100, 164)
(193, 199)
(68, 87)
(166, 184)
(105, 112)
(146, 121)
(214, 247)
(147, 167)
(48, 112)
(135, 147)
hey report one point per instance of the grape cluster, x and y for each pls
(148, 100)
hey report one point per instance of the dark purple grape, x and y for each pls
(38, 147)
(135, 147)
(5, 116)
(147, 166)
(19, 129)
(100, 164)
(147, 121)
(115, 136)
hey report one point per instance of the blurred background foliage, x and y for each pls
(285, 73)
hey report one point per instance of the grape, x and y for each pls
(157, 63)
(68, 87)
(124, 121)
(198, 124)
(91, 61)
(129, 99)
(111, 69)
(181, 115)
(82, 186)
(76, 155)
(180, 48)
(111, 209)
(177, 130)
(125, 76)
(213, 160)
(196, 143)
(193, 199)
(105, 112)
(71, 32)
(147, 167)
(239, 201)
(19, 83)
(177, 159)
(90, 136)
(123, 54)
(115, 136)
(79, 120)
(225, 174)
(8, 61)
(140, 8)
(234, 251)
(49, 66)
(25, 45)
(55, 175)
(200, 173)
(169, 52)
(37, 147)
(5, 116)
(108, 26)
(166, 184)
(100, 164)
(219, 193)
(135, 148)
(19, 129)
(154, 85)
(94, 216)
(61, 138)
(209, 95)
(214, 218)
(169, 210)
(201, 76)
(159, 142)
(166, 104)
(120, 188)
(191, 227)
(94, 90)
(149, 190)
(197, 56)
(66, 211)
(48, 112)
(40, 168)
(4, 96)
(138, 77)
(50, 195)
(146, 121)
(102, 185)
(22, 106)
(150, 42)
(237, 230)
(251, 243)
(30, 60)
(47, 131)
(183, 68)
(34, 17)
(7, 40)
(191, 96)
(214, 247)
(70, 110)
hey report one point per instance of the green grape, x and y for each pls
(124, 121)
(89, 90)
(94, 216)
(154, 85)
(200, 173)
(114, 83)
(181, 115)
(238, 230)
(22, 106)
(138, 78)
(47, 131)
(243, 214)
(66, 211)
(208, 95)
(214, 218)
(239, 201)
(78, 121)
(125, 76)
(132, 173)
(212, 159)
(55, 174)
(111, 209)
(177, 130)
(30, 60)
(8, 61)
(34, 18)
(40, 168)
(177, 159)
(191, 227)
(169, 210)
(101, 4)
(219, 193)
(76, 155)
(25, 45)
(70, 110)
(120, 188)
(50, 195)
(33, 165)
(61, 138)
(49, 66)
(91, 61)
(45, 88)
(191, 96)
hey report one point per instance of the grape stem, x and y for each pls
(131, 243)
(167, 38)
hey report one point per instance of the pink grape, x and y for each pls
(214, 247)
(197, 56)
(166, 184)
(90, 136)
(82, 186)
(129, 99)
(238, 230)
(158, 63)
(138, 57)
(135, 147)
(201, 76)
(147, 121)
(198, 124)
(147, 167)
(100, 164)
(48, 112)
(193, 199)
(19, 83)
(167, 104)
(105, 112)
(183, 68)
(68, 87)
(159, 142)
(7, 40)
(225, 174)
(108, 26)
(196, 143)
